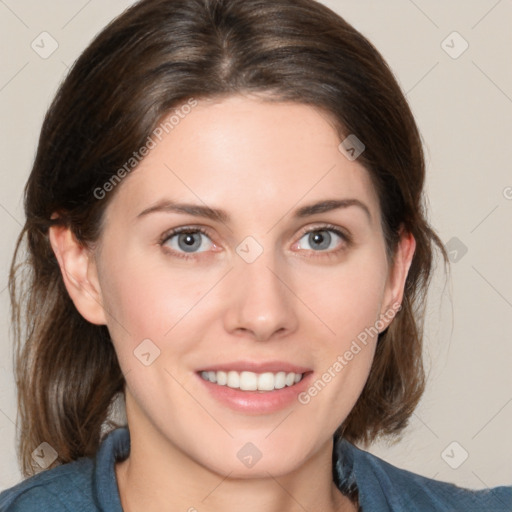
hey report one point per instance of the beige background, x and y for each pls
(463, 107)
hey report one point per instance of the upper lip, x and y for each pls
(256, 367)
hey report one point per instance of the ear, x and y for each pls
(395, 285)
(79, 273)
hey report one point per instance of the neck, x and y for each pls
(158, 476)
(224, 494)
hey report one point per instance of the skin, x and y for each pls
(259, 161)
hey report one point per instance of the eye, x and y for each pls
(323, 239)
(187, 240)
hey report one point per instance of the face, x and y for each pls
(245, 249)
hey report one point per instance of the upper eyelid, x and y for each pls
(182, 229)
(326, 227)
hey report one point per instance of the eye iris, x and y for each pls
(320, 239)
(188, 243)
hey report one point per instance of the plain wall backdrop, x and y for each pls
(452, 60)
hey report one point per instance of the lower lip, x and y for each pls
(257, 402)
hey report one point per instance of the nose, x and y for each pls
(262, 304)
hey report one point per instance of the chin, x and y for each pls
(253, 456)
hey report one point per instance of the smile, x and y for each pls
(250, 381)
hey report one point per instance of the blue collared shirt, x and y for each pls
(89, 485)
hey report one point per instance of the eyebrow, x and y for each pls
(220, 215)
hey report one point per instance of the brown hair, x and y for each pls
(155, 56)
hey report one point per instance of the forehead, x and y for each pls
(248, 153)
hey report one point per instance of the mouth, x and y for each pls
(251, 381)
(255, 388)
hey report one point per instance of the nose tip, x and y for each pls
(260, 306)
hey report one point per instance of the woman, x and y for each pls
(226, 232)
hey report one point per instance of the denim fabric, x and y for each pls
(89, 485)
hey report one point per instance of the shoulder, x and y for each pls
(382, 486)
(86, 485)
(64, 488)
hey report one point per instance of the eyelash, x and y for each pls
(347, 239)
(182, 230)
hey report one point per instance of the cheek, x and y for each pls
(149, 294)
(349, 303)
(148, 301)
(348, 298)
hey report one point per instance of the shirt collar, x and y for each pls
(116, 447)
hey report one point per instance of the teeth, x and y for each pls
(233, 380)
(279, 380)
(266, 381)
(250, 381)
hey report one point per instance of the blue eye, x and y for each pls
(322, 239)
(188, 240)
